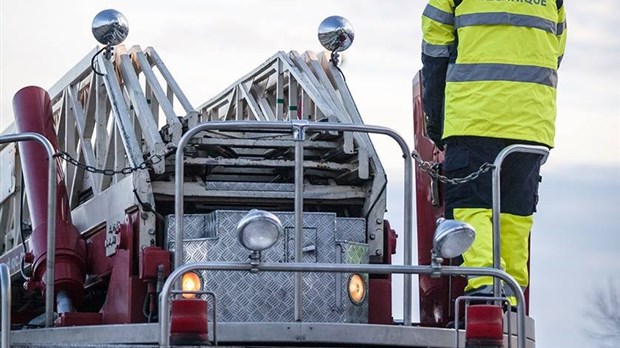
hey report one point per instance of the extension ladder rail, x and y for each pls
(292, 86)
(107, 122)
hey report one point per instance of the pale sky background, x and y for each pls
(207, 45)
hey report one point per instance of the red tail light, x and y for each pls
(188, 321)
(484, 326)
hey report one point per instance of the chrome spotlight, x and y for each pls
(259, 230)
(110, 27)
(452, 238)
(336, 34)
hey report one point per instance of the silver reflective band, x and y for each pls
(505, 18)
(438, 15)
(509, 292)
(531, 2)
(560, 28)
(502, 72)
(485, 290)
(436, 50)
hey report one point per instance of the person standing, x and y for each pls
(489, 80)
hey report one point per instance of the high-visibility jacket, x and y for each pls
(495, 62)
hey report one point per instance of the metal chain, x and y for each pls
(148, 163)
(431, 168)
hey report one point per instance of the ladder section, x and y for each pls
(116, 117)
(257, 169)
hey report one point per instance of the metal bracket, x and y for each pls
(299, 130)
(435, 265)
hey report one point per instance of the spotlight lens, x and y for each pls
(190, 281)
(457, 243)
(357, 289)
(452, 237)
(259, 230)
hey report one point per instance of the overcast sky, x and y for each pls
(208, 45)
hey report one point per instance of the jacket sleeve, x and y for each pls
(561, 30)
(437, 46)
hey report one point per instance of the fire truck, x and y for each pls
(253, 219)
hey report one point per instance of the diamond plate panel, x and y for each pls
(351, 229)
(354, 253)
(194, 227)
(249, 186)
(309, 244)
(269, 297)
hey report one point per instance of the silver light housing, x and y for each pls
(110, 27)
(336, 33)
(452, 238)
(259, 230)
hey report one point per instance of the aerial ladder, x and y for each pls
(254, 219)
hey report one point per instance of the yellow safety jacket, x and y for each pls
(502, 79)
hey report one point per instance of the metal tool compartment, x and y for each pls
(268, 297)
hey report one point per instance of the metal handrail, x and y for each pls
(164, 303)
(5, 291)
(51, 216)
(496, 204)
(300, 127)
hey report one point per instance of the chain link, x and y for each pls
(432, 169)
(148, 163)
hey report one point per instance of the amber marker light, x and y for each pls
(357, 289)
(190, 282)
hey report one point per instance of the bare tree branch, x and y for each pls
(604, 316)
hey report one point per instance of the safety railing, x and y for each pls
(298, 128)
(496, 203)
(164, 304)
(5, 292)
(51, 217)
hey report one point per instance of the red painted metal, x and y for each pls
(98, 264)
(150, 260)
(380, 301)
(484, 326)
(33, 113)
(380, 287)
(437, 295)
(126, 291)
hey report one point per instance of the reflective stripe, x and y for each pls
(486, 290)
(502, 72)
(560, 28)
(496, 18)
(509, 292)
(560, 60)
(438, 15)
(436, 50)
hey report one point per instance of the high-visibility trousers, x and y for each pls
(472, 202)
